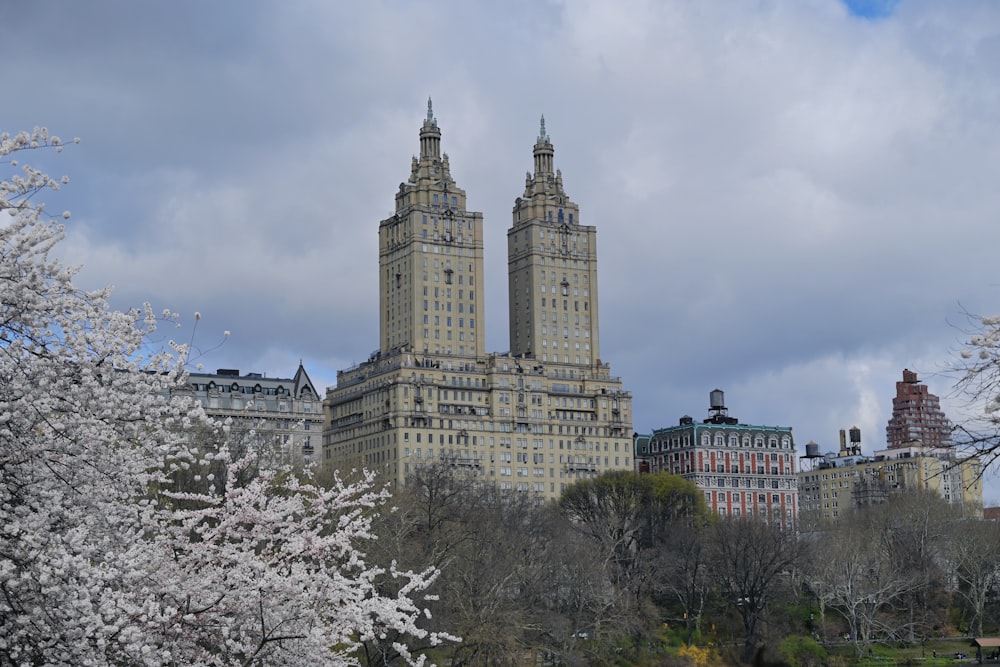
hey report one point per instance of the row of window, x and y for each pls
(448, 321)
(454, 202)
(566, 264)
(446, 306)
(521, 443)
(720, 440)
(524, 471)
(564, 290)
(260, 404)
(552, 276)
(461, 252)
(555, 345)
(565, 331)
(448, 335)
(582, 238)
(748, 483)
(553, 303)
(748, 498)
(447, 238)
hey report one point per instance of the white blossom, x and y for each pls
(105, 558)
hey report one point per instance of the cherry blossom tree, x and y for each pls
(103, 558)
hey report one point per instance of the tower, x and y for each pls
(916, 416)
(552, 270)
(431, 261)
(431, 396)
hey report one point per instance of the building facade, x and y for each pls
(833, 485)
(281, 417)
(552, 270)
(743, 470)
(917, 418)
(533, 419)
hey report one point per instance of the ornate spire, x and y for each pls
(430, 135)
(543, 152)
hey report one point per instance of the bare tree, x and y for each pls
(610, 510)
(750, 558)
(914, 527)
(681, 563)
(854, 576)
(976, 374)
(880, 568)
(498, 583)
(974, 556)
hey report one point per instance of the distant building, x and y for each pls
(534, 419)
(832, 485)
(917, 417)
(744, 470)
(283, 417)
(919, 457)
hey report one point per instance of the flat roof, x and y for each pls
(987, 642)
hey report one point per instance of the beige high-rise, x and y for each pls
(533, 419)
(431, 261)
(552, 270)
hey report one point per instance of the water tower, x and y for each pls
(808, 461)
(717, 413)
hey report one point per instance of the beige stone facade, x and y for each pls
(552, 270)
(431, 262)
(831, 486)
(533, 419)
(282, 418)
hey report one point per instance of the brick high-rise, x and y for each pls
(917, 417)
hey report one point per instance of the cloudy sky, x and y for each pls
(795, 199)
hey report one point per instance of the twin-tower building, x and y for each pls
(534, 419)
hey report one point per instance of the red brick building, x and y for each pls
(916, 416)
(743, 470)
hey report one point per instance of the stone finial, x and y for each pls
(430, 111)
(541, 130)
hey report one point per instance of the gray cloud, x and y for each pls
(792, 201)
